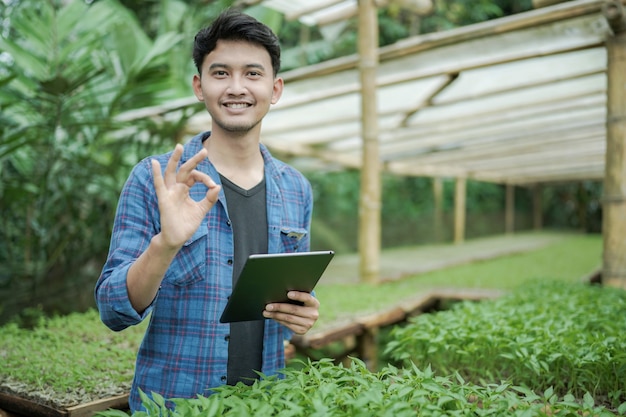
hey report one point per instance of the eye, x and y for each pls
(220, 74)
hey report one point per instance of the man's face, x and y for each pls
(237, 86)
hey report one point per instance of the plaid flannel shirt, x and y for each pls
(185, 348)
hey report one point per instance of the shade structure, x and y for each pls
(516, 100)
(520, 100)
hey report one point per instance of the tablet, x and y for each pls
(266, 278)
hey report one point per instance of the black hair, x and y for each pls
(236, 26)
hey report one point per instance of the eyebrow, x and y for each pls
(217, 65)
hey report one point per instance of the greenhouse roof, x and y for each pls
(310, 12)
(516, 100)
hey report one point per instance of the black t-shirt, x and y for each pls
(248, 215)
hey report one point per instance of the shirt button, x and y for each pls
(229, 262)
(227, 337)
(223, 378)
(228, 223)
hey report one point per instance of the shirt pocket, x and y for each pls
(291, 238)
(189, 265)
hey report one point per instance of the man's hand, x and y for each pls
(180, 218)
(298, 319)
(180, 214)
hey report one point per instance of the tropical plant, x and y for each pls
(67, 72)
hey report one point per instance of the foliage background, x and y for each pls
(72, 74)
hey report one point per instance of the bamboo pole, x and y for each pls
(537, 207)
(509, 209)
(614, 199)
(459, 210)
(438, 208)
(370, 192)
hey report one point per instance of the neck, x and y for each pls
(237, 158)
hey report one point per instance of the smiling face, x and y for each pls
(237, 86)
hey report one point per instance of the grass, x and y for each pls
(567, 260)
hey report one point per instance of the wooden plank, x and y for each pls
(469, 294)
(119, 402)
(419, 304)
(27, 407)
(322, 338)
(385, 318)
(4, 413)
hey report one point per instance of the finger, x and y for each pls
(292, 313)
(295, 323)
(170, 169)
(303, 297)
(212, 193)
(189, 166)
(159, 184)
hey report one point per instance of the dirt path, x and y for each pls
(401, 262)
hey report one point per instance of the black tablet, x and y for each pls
(266, 278)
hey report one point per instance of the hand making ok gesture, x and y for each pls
(180, 214)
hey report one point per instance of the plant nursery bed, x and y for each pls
(357, 325)
(69, 365)
(24, 407)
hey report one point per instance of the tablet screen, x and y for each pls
(266, 278)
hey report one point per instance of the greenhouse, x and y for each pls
(527, 320)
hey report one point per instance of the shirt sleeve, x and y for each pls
(136, 222)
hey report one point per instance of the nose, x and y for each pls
(237, 85)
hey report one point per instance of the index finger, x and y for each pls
(187, 168)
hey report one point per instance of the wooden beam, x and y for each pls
(614, 199)
(398, 72)
(369, 241)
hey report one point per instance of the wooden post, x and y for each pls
(537, 207)
(509, 209)
(459, 210)
(370, 192)
(614, 199)
(367, 348)
(438, 208)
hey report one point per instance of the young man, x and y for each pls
(187, 221)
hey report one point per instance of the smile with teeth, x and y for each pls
(237, 105)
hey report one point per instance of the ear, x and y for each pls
(279, 84)
(196, 83)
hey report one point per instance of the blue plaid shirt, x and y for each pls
(185, 348)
